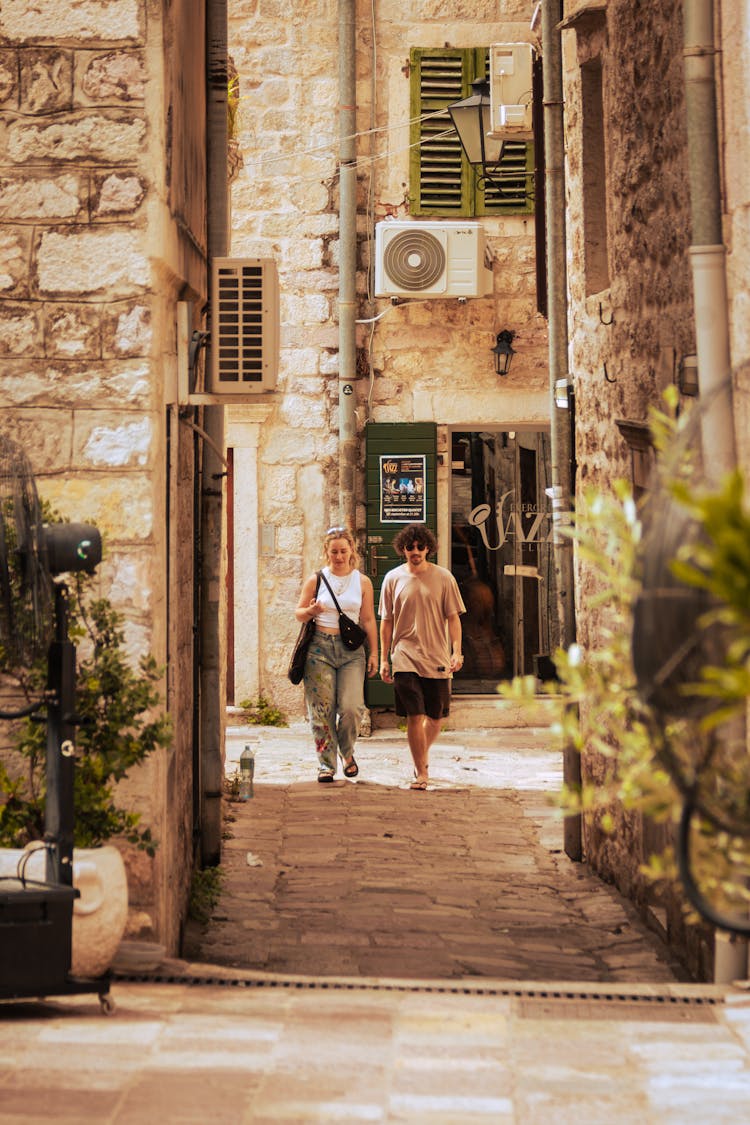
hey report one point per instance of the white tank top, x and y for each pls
(350, 599)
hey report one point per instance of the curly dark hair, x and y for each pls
(418, 532)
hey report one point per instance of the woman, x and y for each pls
(334, 675)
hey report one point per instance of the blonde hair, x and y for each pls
(342, 533)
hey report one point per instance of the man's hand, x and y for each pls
(385, 672)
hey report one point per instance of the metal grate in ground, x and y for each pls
(530, 1002)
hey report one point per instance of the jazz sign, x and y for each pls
(403, 496)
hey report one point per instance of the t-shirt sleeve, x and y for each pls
(385, 605)
(452, 600)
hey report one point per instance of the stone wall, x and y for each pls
(91, 269)
(627, 338)
(423, 361)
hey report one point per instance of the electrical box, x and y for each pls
(431, 259)
(244, 326)
(511, 101)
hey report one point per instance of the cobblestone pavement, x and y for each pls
(372, 878)
(456, 902)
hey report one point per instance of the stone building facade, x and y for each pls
(632, 315)
(420, 361)
(103, 230)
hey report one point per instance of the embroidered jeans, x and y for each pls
(335, 697)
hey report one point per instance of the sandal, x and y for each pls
(351, 769)
(418, 784)
(325, 775)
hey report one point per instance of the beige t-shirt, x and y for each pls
(419, 606)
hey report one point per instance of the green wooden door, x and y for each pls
(401, 468)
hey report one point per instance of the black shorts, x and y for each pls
(418, 695)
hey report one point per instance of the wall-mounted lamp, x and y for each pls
(563, 391)
(687, 375)
(472, 120)
(503, 351)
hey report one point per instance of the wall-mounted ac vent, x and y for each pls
(244, 326)
(510, 91)
(431, 259)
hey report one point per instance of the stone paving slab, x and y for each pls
(302, 1050)
(468, 879)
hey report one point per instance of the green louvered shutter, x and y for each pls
(442, 181)
(440, 176)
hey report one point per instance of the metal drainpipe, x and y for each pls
(707, 251)
(557, 314)
(212, 625)
(708, 263)
(347, 262)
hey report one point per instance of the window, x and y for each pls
(442, 181)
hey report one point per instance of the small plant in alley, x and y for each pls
(205, 890)
(259, 712)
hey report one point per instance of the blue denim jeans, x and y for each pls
(335, 696)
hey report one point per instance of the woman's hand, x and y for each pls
(372, 664)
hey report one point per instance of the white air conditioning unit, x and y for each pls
(244, 326)
(421, 259)
(511, 99)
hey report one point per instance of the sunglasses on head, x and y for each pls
(335, 530)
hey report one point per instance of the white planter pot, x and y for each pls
(101, 911)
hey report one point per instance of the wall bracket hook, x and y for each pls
(601, 318)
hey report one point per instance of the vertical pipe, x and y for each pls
(557, 311)
(707, 252)
(212, 710)
(708, 265)
(347, 262)
(59, 805)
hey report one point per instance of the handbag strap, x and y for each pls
(328, 584)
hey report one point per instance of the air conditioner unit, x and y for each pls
(431, 259)
(244, 325)
(511, 99)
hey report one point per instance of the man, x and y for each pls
(420, 631)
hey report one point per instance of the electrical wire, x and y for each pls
(328, 148)
(366, 162)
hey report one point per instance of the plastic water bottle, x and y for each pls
(247, 772)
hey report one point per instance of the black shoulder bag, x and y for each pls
(352, 634)
(296, 669)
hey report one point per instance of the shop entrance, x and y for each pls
(502, 556)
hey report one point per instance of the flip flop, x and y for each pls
(351, 769)
(325, 775)
(416, 784)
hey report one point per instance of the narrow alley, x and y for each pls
(369, 878)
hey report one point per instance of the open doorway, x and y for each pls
(501, 555)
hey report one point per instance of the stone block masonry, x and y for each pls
(86, 236)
